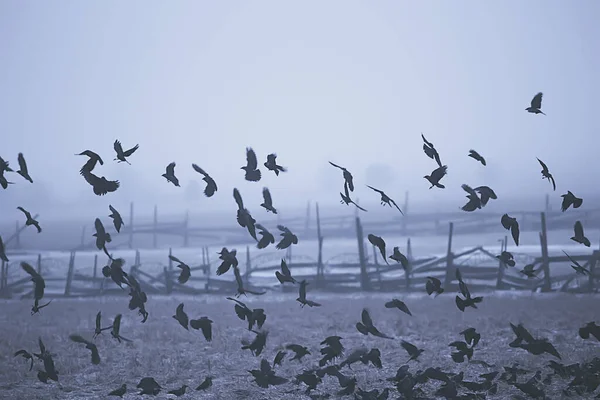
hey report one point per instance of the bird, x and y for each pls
(302, 296)
(507, 258)
(178, 392)
(536, 104)
(26, 355)
(116, 329)
(29, 220)
(252, 173)
(366, 326)
(476, 156)
(385, 199)
(101, 186)
(510, 223)
(149, 385)
(39, 285)
(430, 151)
(267, 203)
(206, 383)
(474, 202)
(88, 345)
(244, 218)
(205, 325)
(279, 357)
(211, 186)
(433, 285)
(400, 258)
(285, 275)
(115, 272)
(229, 260)
(122, 155)
(349, 180)
(436, 176)
(185, 273)
(569, 199)
(413, 351)
(255, 316)
(346, 198)
(546, 174)
(23, 168)
(2, 251)
(241, 290)
(399, 304)
(3, 181)
(169, 174)
(98, 329)
(288, 238)
(4, 166)
(576, 266)
(102, 237)
(378, 242)
(299, 351)
(116, 217)
(93, 159)
(579, 236)
(584, 331)
(529, 271)
(120, 391)
(266, 239)
(485, 194)
(271, 164)
(181, 316)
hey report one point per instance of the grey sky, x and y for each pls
(354, 82)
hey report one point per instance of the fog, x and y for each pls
(353, 82)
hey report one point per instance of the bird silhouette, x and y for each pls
(569, 199)
(102, 237)
(510, 223)
(229, 260)
(252, 173)
(348, 179)
(299, 351)
(23, 168)
(288, 238)
(205, 325)
(579, 236)
(302, 296)
(116, 329)
(546, 174)
(98, 329)
(271, 164)
(436, 176)
(413, 351)
(255, 316)
(266, 237)
(400, 258)
(285, 275)
(257, 345)
(485, 194)
(399, 304)
(101, 186)
(39, 285)
(584, 332)
(122, 155)
(366, 326)
(181, 316)
(244, 218)
(536, 104)
(507, 258)
(185, 273)
(29, 219)
(169, 174)
(206, 383)
(149, 385)
(120, 391)
(529, 271)
(241, 290)
(211, 185)
(116, 217)
(93, 159)
(346, 198)
(433, 285)
(88, 345)
(576, 266)
(430, 151)
(385, 199)
(267, 203)
(378, 242)
(474, 202)
(26, 355)
(476, 156)
(115, 272)
(178, 392)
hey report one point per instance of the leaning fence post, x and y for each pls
(449, 260)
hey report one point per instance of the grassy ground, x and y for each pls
(173, 356)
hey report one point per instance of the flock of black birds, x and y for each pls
(585, 377)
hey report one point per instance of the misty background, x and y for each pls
(354, 82)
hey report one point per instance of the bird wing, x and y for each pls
(346, 192)
(439, 173)
(426, 142)
(366, 317)
(206, 330)
(238, 198)
(409, 347)
(377, 190)
(251, 160)
(283, 229)
(199, 170)
(302, 290)
(578, 228)
(376, 240)
(553, 182)
(177, 260)
(335, 165)
(506, 221)
(89, 177)
(22, 163)
(171, 169)
(24, 211)
(267, 196)
(131, 150)
(98, 320)
(117, 324)
(99, 227)
(544, 167)
(78, 339)
(536, 102)
(573, 261)
(118, 148)
(284, 268)
(514, 230)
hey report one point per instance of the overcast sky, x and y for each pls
(354, 82)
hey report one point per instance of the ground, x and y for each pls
(163, 349)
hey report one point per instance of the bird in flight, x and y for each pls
(23, 168)
(536, 104)
(91, 162)
(430, 151)
(346, 198)
(347, 176)
(101, 186)
(271, 164)
(267, 203)
(569, 200)
(436, 176)
(252, 172)
(211, 185)
(169, 174)
(29, 219)
(511, 223)
(122, 155)
(116, 217)
(385, 199)
(476, 156)
(546, 174)
(579, 236)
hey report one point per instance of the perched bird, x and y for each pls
(302, 296)
(88, 345)
(536, 104)
(116, 217)
(23, 168)
(349, 180)
(433, 285)
(169, 174)
(178, 392)
(181, 317)
(211, 185)
(149, 386)
(116, 329)
(378, 242)
(120, 391)
(91, 162)
(98, 330)
(430, 151)
(529, 271)
(385, 199)
(511, 224)
(546, 174)
(436, 176)
(400, 258)
(285, 275)
(579, 236)
(2, 251)
(413, 351)
(185, 273)
(576, 266)
(101, 186)
(206, 383)
(476, 156)
(267, 203)
(229, 260)
(205, 325)
(569, 200)
(288, 238)
(366, 326)
(266, 239)
(122, 155)
(252, 174)
(29, 220)
(271, 164)
(399, 304)
(346, 198)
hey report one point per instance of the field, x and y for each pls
(173, 356)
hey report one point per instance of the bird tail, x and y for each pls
(440, 186)
(253, 176)
(577, 203)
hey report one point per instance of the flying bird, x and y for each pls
(285, 275)
(576, 266)
(476, 156)
(181, 316)
(267, 203)
(436, 176)
(229, 260)
(579, 236)
(510, 223)
(2, 251)
(266, 239)
(169, 174)
(101, 186)
(378, 242)
(39, 285)
(433, 285)
(288, 238)
(88, 345)
(271, 164)
(26, 355)
(413, 351)
(122, 155)
(347, 176)
(474, 202)
(569, 199)
(430, 151)
(529, 271)
(185, 273)
(102, 237)
(400, 258)
(29, 219)
(385, 199)
(211, 185)
(93, 159)
(346, 198)
(116, 329)
(252, 172)
(116, 217)
(399, 304)
(546, 174)
(98, 328)
(116, 273)
(536, 104)
(366, 326)
(244, 218)
(302, 296)
(23, 168)
(485, 194)
(205, 325)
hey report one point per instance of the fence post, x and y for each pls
(365, 284)
(131, 227)
(450, 273)
(545, 260)
(70, 274)
(186, 223)
(501, 266)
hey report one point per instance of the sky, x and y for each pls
(353, 82)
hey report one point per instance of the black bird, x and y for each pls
(462, 350)
(267, 203)
(258, 344)
(181, 317)
(532, 345)
(299, 351)
(36, 307)
(302, 296)
(399, 304)
(205, 325)
(169, 174)
(2, 251)
(579, 236)
(413, 351)
(120, 391)
(4, 166)
(378, 242)
(474, 202)
(116, 217)
(122, 155)
(50, 371)
(366, 326)
(385, 199)
(138, 298)
(88, 345)
(471, 335)
(400, 258)
(266, 239)
(279, 357)
(23, 168)
(252, 172)
(100, 186)
(207, 383)
(332, 350)
(178, 392)
(430, 151)
(149, 386)
(476, 156)
(536, 104)
(38, 284)
(347, 176)
(584, 331)
(511, 224)
(285, 275)
(436, 176)
(91, 162)
(529, 271)
(240, 284)
(468, 301)
(569, 200)
(98, 330)
(116, 329)
(29, 219)
(27, 356)
(3, 181)
(433, 285)
(229, 260)
(546, 174)
(211, 185)
(485, 194)
(288, 238)
(102, 237)
(346, 198)
(185, 273)
(115, 272)
(271, 164)
(576, 266)
(265, 376)
(244, 218)
(255, 316)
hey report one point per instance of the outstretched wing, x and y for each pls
(252, 163)
(22, 163)
(118, 148)
(335, 165)
(78, 339)
(544, 167)
(578, 228)
(536, 102)
(177, 260)
(199, 170)
(267, 196)
(238, 198)
(171, 169)
(99, 227)
(24, 211)
(377, 190)
(439, 173)
(366, 317)
(426, 142)
(29, 269)
(131, 150)
(284, 268)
